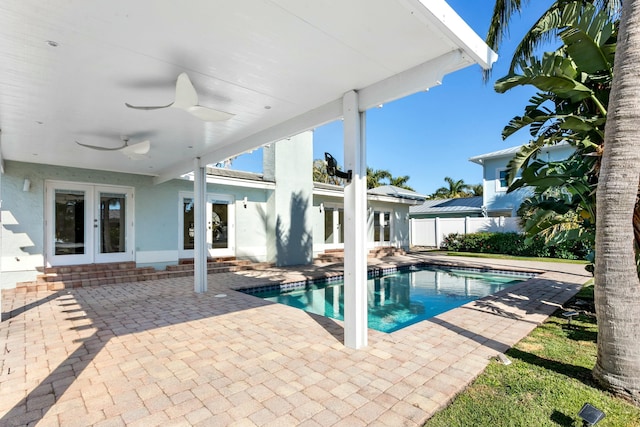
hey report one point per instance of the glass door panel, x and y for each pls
(376, 226)
(112, 223)
(219, 226)
(328, 226)
(333, 229)
(386, 224)
(188, 224)
(69, 227)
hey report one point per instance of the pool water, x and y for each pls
(401, 298)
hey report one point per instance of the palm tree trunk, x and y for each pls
(617, 287)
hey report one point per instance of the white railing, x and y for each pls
(431, 231)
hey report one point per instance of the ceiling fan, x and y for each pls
(135, 151)
(187, 100)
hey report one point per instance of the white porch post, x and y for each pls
(200, 227)
(355, 236)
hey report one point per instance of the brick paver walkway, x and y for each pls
(156, 353)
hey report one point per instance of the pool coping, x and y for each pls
(373, 272)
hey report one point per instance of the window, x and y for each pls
(501, 180)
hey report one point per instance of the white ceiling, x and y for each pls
(281, 66)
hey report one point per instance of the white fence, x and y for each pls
(431, 231)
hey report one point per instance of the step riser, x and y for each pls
(111, 276)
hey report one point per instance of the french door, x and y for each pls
(88, 224)
(333, 227)
(381, 228)
(220, 225)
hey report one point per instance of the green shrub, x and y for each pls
(513, 244)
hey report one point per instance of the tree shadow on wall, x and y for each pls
(294, 246)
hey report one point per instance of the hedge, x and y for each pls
(513, 244)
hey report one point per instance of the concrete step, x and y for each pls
(80, 276)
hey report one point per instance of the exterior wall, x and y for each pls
(290, 163)
(157, 210)
(399, 219)
(496, 199)
(282, 225)
(399, 223)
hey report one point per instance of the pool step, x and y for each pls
(337, 255)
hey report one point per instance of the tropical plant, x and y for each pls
(400, 181)
(375, 177)
(453, 190)
(570, 108)
(617, 287)
(545, 29)
(476, 190)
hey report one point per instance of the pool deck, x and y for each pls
(156, 353)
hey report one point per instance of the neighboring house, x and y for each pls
(496, 200)
(54, 215)
(448, 208)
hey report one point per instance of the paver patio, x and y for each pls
(156, 353)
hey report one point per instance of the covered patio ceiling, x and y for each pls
(280, 66)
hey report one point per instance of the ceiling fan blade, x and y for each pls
(138, 148)
(209, 114)
(137, 107)
(96, 147)
(186, 95)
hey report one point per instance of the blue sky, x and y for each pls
(432, 134)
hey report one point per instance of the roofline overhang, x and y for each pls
(234, 182)
(371, 197)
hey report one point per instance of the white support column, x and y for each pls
(355, 218)
(200, 227)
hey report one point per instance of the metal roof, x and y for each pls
(393, 191)
(459, 205)
(510, 152)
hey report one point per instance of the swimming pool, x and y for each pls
(398, 299)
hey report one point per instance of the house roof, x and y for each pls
(280, 66)
(388, 192)
(441, 206)
(510, 152)
(393, 191)
(231, 173)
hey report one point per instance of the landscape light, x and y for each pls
(590, 415)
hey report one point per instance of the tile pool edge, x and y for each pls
(373, 272)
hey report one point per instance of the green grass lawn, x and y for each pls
(546, 385)
(520, 258)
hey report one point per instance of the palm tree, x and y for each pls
(617, 287)
(476, 189)
(455, 189)
(545, 29)
(400, 181)
(375, 177)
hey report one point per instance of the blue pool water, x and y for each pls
(398, 299)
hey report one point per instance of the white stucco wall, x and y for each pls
(157, 210)
(496, 199)
(290, 163)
